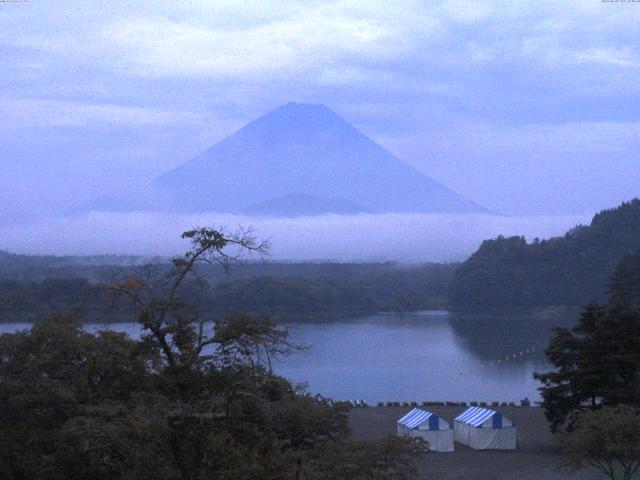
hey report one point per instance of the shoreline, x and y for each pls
(538, 312)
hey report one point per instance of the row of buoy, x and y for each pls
(513, 356)
(478, 369)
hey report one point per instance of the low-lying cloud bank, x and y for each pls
(363, 237)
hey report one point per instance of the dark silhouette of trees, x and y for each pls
(592, 398)
(298, 292)
(569, 270)
(624, 285)
(607, 439)
(180, 403)
(597, 363)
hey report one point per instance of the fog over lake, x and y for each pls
(361, 237)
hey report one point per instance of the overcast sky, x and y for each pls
(528, 108)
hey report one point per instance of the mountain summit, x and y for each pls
(303, 159)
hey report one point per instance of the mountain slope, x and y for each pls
(570, 270)
(299, 204)
(308, 150)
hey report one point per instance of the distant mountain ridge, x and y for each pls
(300, 159)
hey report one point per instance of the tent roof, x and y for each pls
(475, 416)
(414, 418)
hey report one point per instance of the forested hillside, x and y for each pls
(35, 287)
(569, 270)
(625, 281)
(41, 267)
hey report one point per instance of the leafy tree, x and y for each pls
(48, 376)
(242, 338)
(597, 363)
(390, 458)
(181, 403)
(164, 315)
(607, 439)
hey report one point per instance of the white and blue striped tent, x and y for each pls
(483, 429)
(428, 426)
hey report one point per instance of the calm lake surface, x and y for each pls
(433, 355)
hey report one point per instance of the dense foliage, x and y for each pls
(286, 291)
(592, 398)
(597, 363)
(625, 281)
(291, 297)
(607, 439)
(569, 270)
(364, 290)
(32, 301)
(180, 403)
(35, 268)
(76, 405)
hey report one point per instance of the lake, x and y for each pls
(432, 355)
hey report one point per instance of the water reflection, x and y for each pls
(423, 356)
(418, 356)
(494, 337)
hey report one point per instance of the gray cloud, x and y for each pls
(525, 107)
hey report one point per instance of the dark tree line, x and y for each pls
(598, 360)
(625, 281)
(592, 398)
(183, 402)
(289, 292)
(569, 270)
(36, 268)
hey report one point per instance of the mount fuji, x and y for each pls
(300, 159)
